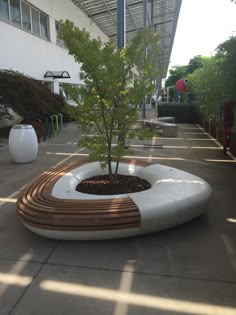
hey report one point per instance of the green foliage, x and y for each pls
(205, 83)
(108, 103)
(194, 64)
(27, 97)
(226, 62)
(176, 73)
(215, 82)
(179, 72)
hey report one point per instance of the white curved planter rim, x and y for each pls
(174, 198)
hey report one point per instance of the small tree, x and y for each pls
(226, 60)
(110, 97)
(214, 83)
(205, 84)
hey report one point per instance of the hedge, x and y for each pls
(183, 113)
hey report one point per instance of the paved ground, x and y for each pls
(190, 269)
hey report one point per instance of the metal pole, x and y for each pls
(121, 25)
(145, 53)
(121, 31)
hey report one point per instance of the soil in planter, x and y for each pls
(101, 185)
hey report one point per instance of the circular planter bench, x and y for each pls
(51, 207)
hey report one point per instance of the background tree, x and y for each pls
(194, 64)
(214, 83)
(205, 84)
(226, 61)
(176, 73)
(179, 72)
(109, 100)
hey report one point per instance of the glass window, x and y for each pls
(35, 21)
(24, 15)
(26, 22)
(44, 26)
(60, 42)
(4, 12)
(15, 12)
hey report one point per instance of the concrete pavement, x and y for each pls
(189, 269)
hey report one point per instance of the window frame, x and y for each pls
(21, 26)
(30, 16)
(8, 11)
(59, 41)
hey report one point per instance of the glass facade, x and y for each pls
(4, 10)
(44, 31)
(26, 19)
(15, 14)
(35, 21)
(22, 14)
(60, 42)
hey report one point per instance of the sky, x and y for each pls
(202, 26)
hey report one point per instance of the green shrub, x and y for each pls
(183, 113)
(27, 97)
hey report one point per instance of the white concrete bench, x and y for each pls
(167, 124)
(167, 119)
(51, 207)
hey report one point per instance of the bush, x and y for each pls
(28, 97)
(183, 113)
(69, 113)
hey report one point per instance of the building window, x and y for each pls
(35, 21)
(15, 12)
(60, 42)
(4, 10)
(26, 19)
(44, 29)
(25, 16)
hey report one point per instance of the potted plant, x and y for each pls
(107, 104)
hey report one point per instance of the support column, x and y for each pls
(145, 23)
(121, 25)
(121, 40)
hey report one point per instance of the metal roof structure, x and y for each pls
(165, 15)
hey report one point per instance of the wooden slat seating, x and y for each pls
(38, 208)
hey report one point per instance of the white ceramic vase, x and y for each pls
(23, 144)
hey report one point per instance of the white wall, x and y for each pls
(34, 56)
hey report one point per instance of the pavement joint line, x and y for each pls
(125, 156)
(196, 133)
(46, 263)
(42, 264)
(217, 142)
(67, 158)
(59, 144)
(15, 193)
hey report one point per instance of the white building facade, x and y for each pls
(28, 37)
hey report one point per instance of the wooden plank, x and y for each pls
(37, 207)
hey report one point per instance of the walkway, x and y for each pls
(190, 269)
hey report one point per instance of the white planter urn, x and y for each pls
(23, 144)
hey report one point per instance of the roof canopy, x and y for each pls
(165, 17)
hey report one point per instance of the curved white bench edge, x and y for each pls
(84, 235)
(175, 197)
